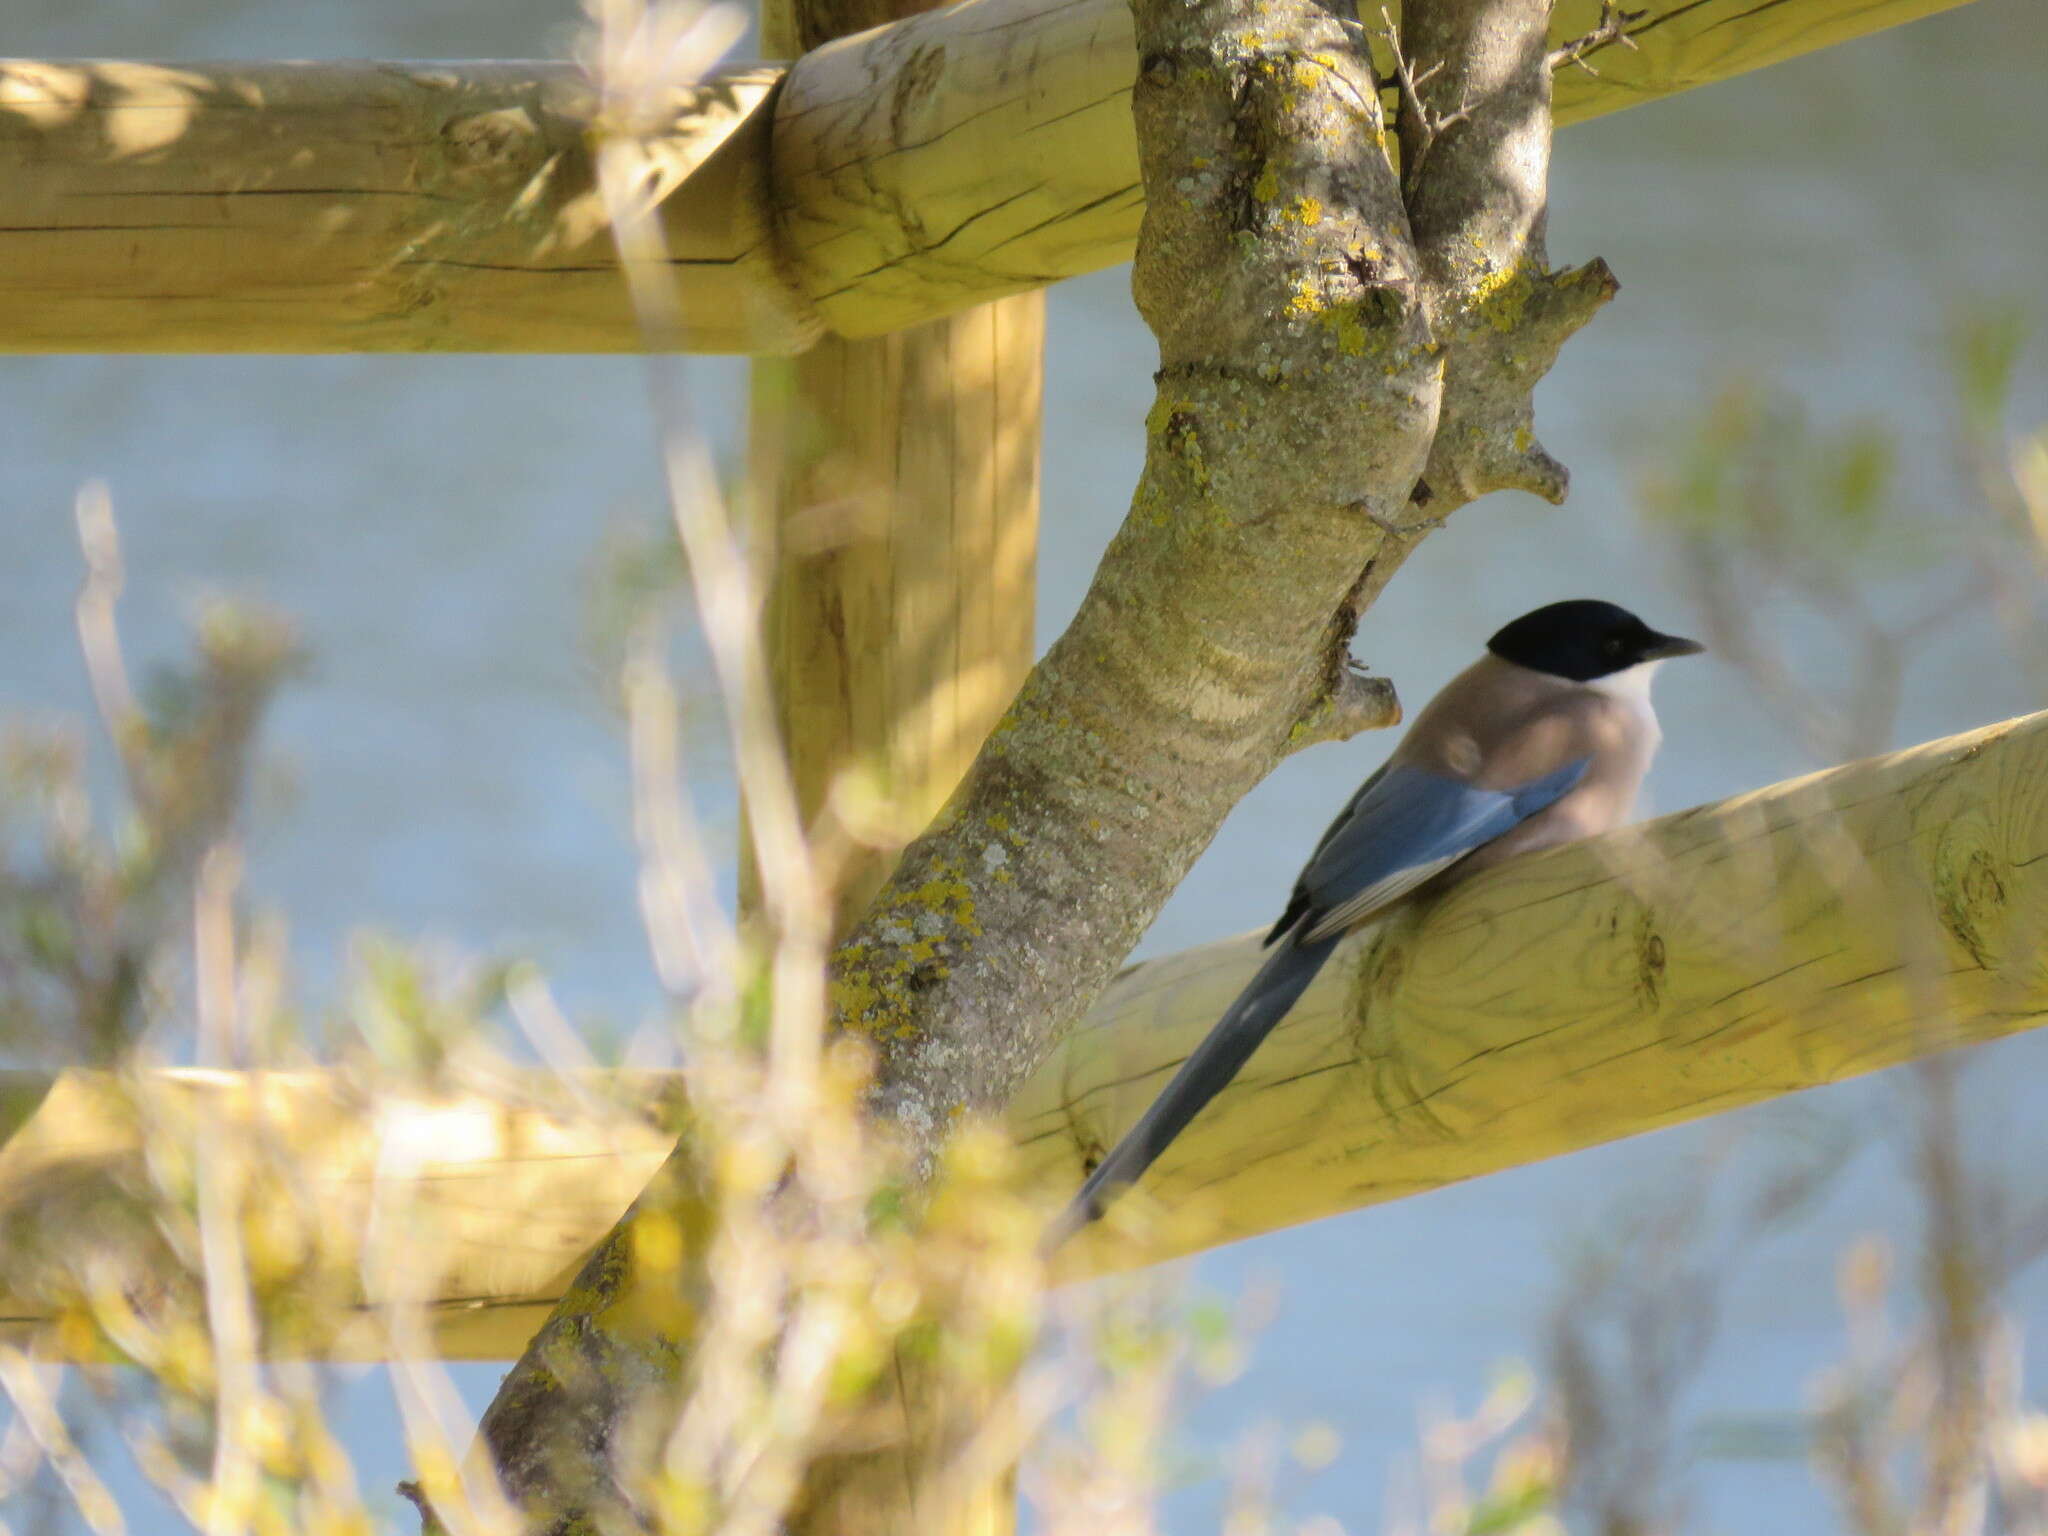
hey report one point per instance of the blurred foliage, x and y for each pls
(1809, 563)
(1785, 531)
(87, 917)
(1639, 1315)
(1985, 345)
(205, 1257)
(1759, 475)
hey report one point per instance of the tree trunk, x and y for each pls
(1325, 335)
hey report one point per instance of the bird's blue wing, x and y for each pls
(1404, 826)
(1298, 902)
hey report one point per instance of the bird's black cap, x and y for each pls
(1585, 639)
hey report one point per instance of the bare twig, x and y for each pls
(99, 635)
(1613, 27)
(1432, 123)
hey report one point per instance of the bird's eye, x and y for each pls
(1615, 646)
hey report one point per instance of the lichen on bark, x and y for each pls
(1297, 397)
(1342, 360)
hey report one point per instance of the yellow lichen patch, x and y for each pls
(1306, 301)
(914, 934)
(877, 1004)
(1174, 422)
(1352, 337)
(1160, 417)
(949, 896)
(1267, 187)
(1305, 210)
(854, 994)
(1502, 298)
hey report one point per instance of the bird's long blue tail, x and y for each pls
(1262, 1004)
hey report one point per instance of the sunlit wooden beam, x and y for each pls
(1801, 935)
(917, 169)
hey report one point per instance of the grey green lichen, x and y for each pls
(912, 938)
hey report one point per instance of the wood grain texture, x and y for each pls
(898, 481)
(1785, 939)
(919, 168)
(364, 208)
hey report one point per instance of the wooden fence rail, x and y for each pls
(1797, 936)
(917, 169)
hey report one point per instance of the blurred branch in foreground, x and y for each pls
(91, 917)
(1828, 587)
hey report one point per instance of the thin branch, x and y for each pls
(38, 1409)
(1613, 27)
(1431, 124)
(1359, 702)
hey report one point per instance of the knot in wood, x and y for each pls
(1650, 966)
(916, 85)
(1970, 890)
(490, 139)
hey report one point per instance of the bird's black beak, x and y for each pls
(1664, 647)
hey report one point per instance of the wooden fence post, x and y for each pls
(895, 482)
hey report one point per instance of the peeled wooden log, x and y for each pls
(917, 169)
(1804, 934)
(365, 208)
(1801, 935)
(497, 1199)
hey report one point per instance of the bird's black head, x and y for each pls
(1585, 639)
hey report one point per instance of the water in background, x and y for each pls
(450, 767)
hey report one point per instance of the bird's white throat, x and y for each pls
(1631, 686)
